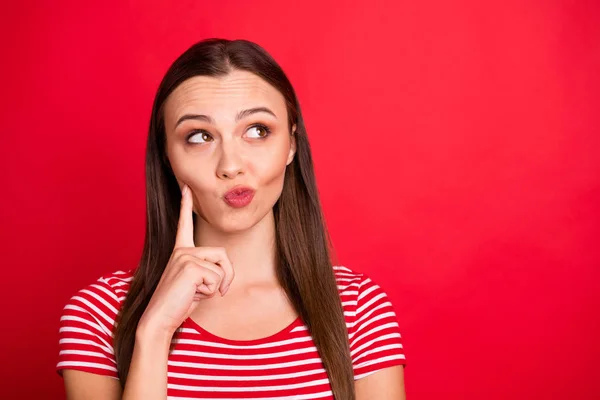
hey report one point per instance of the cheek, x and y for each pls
(203, 190)
(271, 170)
(184, 173)
(197, 177)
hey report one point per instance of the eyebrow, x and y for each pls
(239, 116)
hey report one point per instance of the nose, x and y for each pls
(230, 163)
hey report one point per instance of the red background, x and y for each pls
(456, 146)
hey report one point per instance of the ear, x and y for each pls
(292, 152)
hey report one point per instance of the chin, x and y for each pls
(235, 227)
(239, 223)
(243, 221)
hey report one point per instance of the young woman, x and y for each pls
(235, 296)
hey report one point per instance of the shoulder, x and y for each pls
(87, 325)
(101, 299)
(361, 296)
(373, 328)
(112, 286)
(356, 284)
(346, 277)
(118, 282)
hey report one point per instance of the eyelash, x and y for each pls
(197, 131)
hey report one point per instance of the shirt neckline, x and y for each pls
(276, 336)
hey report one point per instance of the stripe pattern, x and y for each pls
(201, 365)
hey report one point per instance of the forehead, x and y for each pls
(222, 97)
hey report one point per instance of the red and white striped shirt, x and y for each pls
(284, 366)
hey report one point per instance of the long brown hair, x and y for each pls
(304, 267)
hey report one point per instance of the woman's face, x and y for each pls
(228, 132)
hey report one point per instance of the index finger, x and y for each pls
(185, 226)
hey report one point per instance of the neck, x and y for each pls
(251, 252)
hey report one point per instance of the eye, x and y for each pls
(259, 131)
(197, 136)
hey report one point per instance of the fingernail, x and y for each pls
(184, 190)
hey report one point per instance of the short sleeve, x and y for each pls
(86, 331)
(375, 339)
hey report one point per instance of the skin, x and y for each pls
(233, 153)
(222, 154)
(211, 157)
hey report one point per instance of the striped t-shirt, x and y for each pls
(201, 365)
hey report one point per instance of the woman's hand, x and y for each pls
(191, 275)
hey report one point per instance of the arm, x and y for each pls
(86, 356)
(376, 346)
(387, 384)
(147, 378)
(192, 274)
(85, 385)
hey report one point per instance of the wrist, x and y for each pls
(147, 333)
